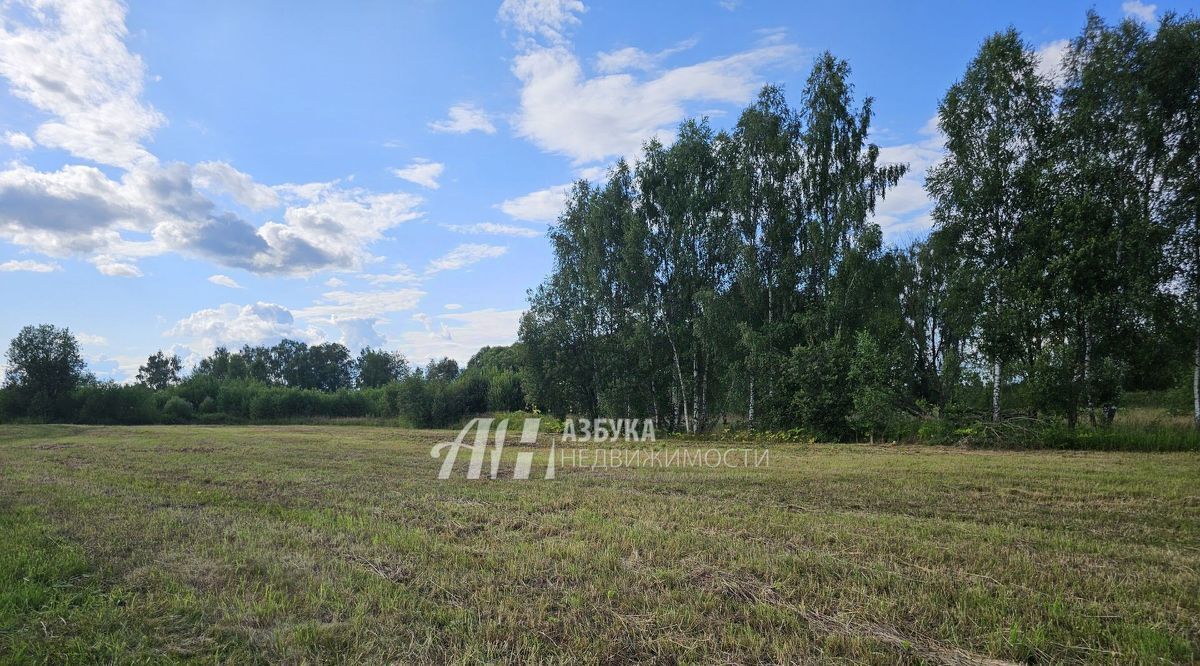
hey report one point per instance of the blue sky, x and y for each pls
(184, 175)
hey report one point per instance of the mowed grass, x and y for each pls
(338, 544)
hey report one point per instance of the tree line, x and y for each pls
(738, 274)
(47, 381)
(737, 279)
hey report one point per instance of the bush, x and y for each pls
(113, 404)
(177, 410)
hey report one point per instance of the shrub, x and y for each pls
(113, 404)
(177, 410)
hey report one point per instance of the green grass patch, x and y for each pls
(309, 544)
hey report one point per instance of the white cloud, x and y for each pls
(1140, 11)
(494, 229)
(464, 255)
(331, 232)
(548, 19)
(422, 172)
(113, 268)
(1050, 59)
(906, 207)
(89, 339)
(236, 325)
(224, 281)
(70, 61)
(402, 275)
(464, 118)
(564, 111)
(361, 304)
(459, 335)
(359, 332)
(452, 306)
(540, 206)
(335, 282)
(29, 266)
(589, 119)
(120, 368)
(633, 58)
(221, 177)
(19, 141)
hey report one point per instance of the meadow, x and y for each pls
(318, 544)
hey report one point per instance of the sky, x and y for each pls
(179, 176)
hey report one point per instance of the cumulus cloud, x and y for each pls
(69, 60)
(1139, 10)
(422, 172)
(224, 281)
(494, 229)
(632, 58)
(29, 266)
(221, 177)
(905, 209)
(361, 304)
(114, 268)
(359, 332)
(119, 368)
(18, 141)
(591, 118)
(564, 111)
(463, 118)
(234, 325)
(89, 339)
(548, 19)
(72, 201)
(402, 274)
(459, 335)
(464, 255)
(540, 206)
(1050, 59)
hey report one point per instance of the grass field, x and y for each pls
(338, 544)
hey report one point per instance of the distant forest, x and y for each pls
(736, 279)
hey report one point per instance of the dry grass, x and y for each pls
(337, 544)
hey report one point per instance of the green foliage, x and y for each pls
(160, 371)
(114, 404)
(178, 410)
(43, 366)
(873, 394)
(740, 275)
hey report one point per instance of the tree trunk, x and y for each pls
(996, 391)
(695, 390)
(683, 399)
(1087, 373)
(1196, 323)
(750, 412)
(1196, 383)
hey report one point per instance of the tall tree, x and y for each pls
(1105, 250)
(44, 364)
(376, 367)
(160, 371)
(1173, 74)
(986, 191)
